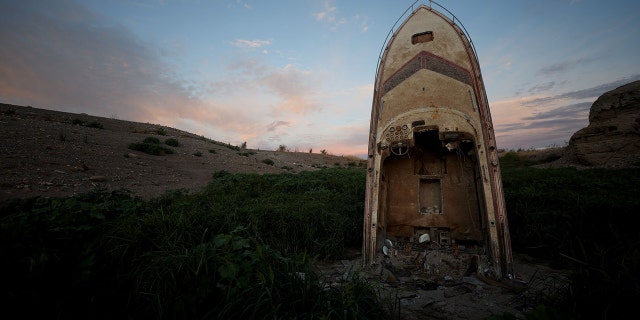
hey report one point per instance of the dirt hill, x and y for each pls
(52, 153)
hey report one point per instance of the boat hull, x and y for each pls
(433, 182)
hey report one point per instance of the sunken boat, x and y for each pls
(434, 196)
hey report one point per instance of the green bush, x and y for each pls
(172, 142)
(268, 161)
(95, 124)
(152, 140)
(150, 148)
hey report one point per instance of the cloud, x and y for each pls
(295, 87)
(542, 87)
(571, 111)
(329, 15)
(588, 93)
(364, 22)
(242, 43)
(244, 4)
(275, 124)
(566, 65)
(540, 121)
(65, 56)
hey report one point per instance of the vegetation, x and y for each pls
(268, 161)
(151, 145)
(92, 124)
(226, 145)
(580, 220)
(242, 247)
(172, 142)
(152, 140)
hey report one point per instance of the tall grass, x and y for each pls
(581, 220)
(241, 248)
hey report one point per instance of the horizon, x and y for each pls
(234, 71)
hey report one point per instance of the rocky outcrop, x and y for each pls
(612, 138)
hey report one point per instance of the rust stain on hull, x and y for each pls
(434, 199)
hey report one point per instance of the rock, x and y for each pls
(612, 138)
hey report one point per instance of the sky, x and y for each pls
(300, 74)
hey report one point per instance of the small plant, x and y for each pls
(268, 161)
(246, 153)
(220, 174)
(152, 140)
(95, 124)
(62, 136)
(172, 142)
(243, 145)
(197, 154)
(161, 131)
(213, 151)
(323, 151)
(286, 168)
(150, 148)
(283, 148)
(92, 124)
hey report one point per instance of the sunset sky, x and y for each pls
(301, 73)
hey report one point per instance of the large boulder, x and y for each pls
(612, 138)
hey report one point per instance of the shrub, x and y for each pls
(268, 161)
(197, 154)
(150, 148)
(172, 142)
(95, 124)
(153, 140)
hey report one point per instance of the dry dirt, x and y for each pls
(43, 153)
